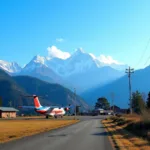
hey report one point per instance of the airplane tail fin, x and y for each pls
(36, 102)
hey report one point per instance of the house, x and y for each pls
(8, 112)
(100, 111)
(115, 108)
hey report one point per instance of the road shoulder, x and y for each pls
(123, 139)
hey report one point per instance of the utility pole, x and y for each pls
(112, 98)
(75, 101)
(129, 71)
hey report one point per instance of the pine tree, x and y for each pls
(138, 103)
(148, 101)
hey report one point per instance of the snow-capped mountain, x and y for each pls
(79, 69)
(37, 68)
(78, 62)
(10, 67)
(36, 62)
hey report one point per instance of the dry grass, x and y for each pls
(14, 129)
(133, 117)
(124, 139)
(119, 141)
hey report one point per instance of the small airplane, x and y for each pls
(53, 111)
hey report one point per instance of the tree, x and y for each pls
(103, 103)
(138, 103)
(148, 101)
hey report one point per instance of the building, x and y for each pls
(8, 112)
(100, 111)
(116, 108)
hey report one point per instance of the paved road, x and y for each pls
(88, 134)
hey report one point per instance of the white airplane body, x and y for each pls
(53, 111)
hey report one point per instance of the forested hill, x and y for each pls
(12, 89)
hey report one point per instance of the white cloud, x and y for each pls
(53, 51)
(60, 40)
(107, 60)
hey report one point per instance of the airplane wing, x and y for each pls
(27, 107)
(50, 109)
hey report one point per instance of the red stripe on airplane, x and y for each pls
(58, 111)
(41, 111)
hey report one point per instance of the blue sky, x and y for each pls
(119, 28)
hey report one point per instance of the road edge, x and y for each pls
(110, 137)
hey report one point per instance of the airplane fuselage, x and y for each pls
(47, 111)
(53, 111)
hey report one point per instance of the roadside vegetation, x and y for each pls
(123, 138)
(14, 129)
(132, 131)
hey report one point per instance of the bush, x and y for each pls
(140, 129)
(118, 115)
(121, 122)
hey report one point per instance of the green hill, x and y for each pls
(11, 89)
(51, 93)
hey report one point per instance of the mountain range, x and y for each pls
(79, 70)
(90, 75)
(13, 89)
(140, 80)
(10, 67)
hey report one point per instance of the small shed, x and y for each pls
(8, 112)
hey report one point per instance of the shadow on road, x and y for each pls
(57, 135)
(101, 127)
(100, 134)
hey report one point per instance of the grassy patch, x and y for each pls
(14, 129)
(122, 129)
(134, 124)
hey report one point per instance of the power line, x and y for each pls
(129, 71)
(144, 51)
(147, 61)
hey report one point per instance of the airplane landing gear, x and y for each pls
(55, 117)
(47, 117)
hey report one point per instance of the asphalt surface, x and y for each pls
(89, 134)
